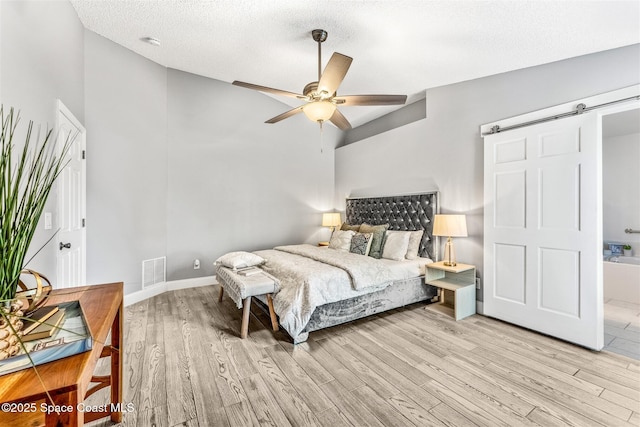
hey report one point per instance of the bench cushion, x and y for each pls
(240, 287)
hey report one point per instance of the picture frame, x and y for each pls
(616, 248)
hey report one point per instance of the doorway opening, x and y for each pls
(621, 227)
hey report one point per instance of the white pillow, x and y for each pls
(341, 240)
(415, 237)
(239, 259)
(414, 244)
(395, 246)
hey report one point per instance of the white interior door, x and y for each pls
(543, 228)
(71, 242)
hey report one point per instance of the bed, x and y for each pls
(320, 287)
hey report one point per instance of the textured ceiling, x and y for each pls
(398, 46)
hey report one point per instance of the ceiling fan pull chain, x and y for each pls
(321, 137)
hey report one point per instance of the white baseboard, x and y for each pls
(173, 285)
(191, 283)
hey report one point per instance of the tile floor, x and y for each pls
(622, 328)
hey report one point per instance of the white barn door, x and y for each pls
(543, 228)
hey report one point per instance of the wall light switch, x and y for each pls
(47, 221)
(196, 264)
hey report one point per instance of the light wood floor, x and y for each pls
(622, 328)
(186, 365)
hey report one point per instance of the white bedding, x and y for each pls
(312, 276)
(408, 268)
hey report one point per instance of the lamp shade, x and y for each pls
(319, 111)
(331, 219)
(450, 226)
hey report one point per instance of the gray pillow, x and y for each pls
(377, 239)
(346, 226)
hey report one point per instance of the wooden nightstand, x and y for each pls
(457, 288)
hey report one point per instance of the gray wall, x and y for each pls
(177, 164)
(41, 60)
(183, 166)
(414, 111)
(236, 183)
(126, 122)
(444, 151)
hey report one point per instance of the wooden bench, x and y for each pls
(242, 288)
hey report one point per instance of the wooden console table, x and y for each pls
(69, 381)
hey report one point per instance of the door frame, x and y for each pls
(62, 109)
(609, 97)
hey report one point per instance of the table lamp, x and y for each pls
(331, 220)
(450, 226)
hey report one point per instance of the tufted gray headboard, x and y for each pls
(407, 213)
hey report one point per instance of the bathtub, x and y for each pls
(622, 279)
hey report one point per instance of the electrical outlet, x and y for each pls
(196, 264)
(478, 285)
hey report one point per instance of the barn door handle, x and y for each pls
(65, 245)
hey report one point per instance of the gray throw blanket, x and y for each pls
(310, 276)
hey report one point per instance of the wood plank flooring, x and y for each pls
(185, 365)
(622, 327)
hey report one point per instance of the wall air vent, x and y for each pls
(153, 271)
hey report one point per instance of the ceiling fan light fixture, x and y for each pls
(319, 111)
(321, 95)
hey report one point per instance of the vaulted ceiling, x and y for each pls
(398, 46)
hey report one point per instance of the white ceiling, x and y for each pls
(398, 46)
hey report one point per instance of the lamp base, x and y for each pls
(449, 254)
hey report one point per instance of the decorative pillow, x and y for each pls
(341, 240)
(361, 243)
(395, 245)
(346, 226)
(239, 259)
(378, 236)
(414, 242)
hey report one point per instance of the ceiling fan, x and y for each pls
(321, 96)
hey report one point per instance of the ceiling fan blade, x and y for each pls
(350, 100)
(285, 115)
(334, 73)
(267, 89)
(340, 120)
